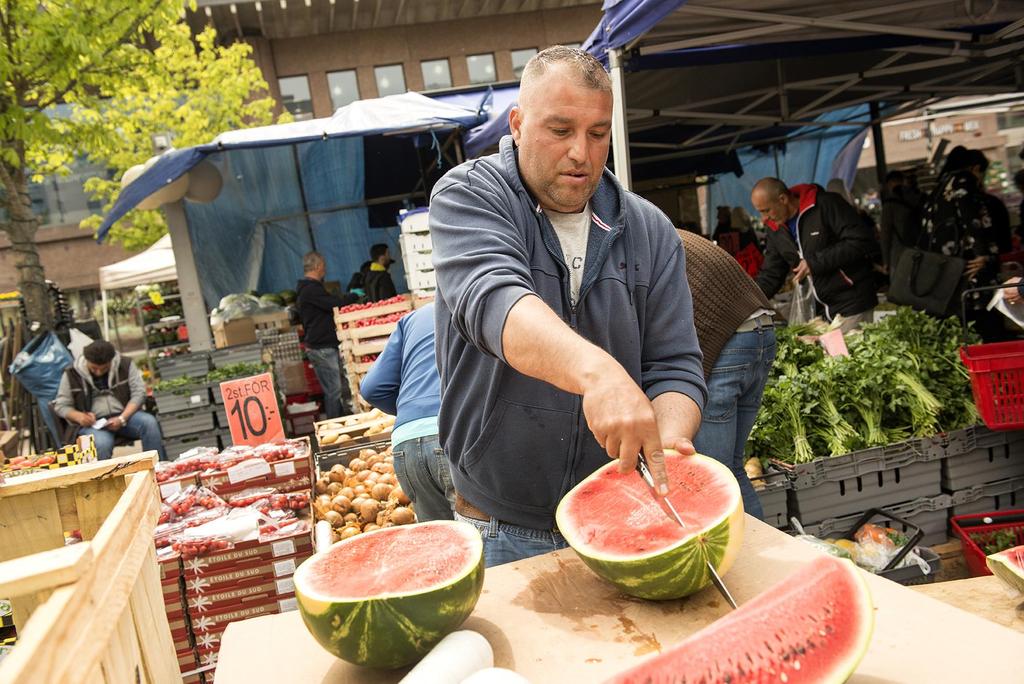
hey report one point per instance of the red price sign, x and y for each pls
(251, 405)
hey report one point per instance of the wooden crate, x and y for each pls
(92, 611)
(342, 319)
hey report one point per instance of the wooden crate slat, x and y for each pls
(28, 524)
(121, 546)
(37, 658)
(65, 477)
(68, 507)
(117, 662)
(370, 331)
(44, 570)
(368, 348)
(147, 608)
(93, 500)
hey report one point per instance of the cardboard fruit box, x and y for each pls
(245, 572)
(299, 545)
(248, 593)
(216, 623)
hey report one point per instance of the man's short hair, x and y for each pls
(772, 187)
(378, 250)
(1018, 178)
(977, 158)
(590, 71)
(312, 261)
(99, 352)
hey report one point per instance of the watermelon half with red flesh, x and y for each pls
(385, 598)
(1008, 566)
(814, 627)
(618, 529)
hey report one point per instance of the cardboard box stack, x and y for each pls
(234, 526)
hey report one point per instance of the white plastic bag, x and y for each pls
(801, 306)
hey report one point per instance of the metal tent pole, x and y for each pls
(199, 337)
(106, 318)
(620, 130)
(881, 169)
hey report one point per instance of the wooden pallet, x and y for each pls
(92, 611)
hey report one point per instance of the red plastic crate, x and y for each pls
(997, 380)
(969, 527)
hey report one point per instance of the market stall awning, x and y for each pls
(703, 77)
(395, 115)
(153, 265)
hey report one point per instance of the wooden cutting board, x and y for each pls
(552, 620)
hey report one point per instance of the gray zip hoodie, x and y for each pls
(517, 444)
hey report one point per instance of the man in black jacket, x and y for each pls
(316, 309)
(818, 234)
(378, 282)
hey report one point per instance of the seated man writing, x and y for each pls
(100, 395)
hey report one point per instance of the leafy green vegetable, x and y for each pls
(903, 379)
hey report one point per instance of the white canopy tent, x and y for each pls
(154, 265)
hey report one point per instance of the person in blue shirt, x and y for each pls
(404, 382)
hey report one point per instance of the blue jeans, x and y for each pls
(422, 470)
(140, 426)
(327, 366)
(734, 398)
(504, 543)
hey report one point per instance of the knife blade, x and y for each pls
(671, 512)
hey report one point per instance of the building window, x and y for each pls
(344, 88)
(436, 74)
(519, 60)
(295, 96)
(390, 80)
(481, 68)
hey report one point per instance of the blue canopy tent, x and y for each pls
(331, 184)
(698, 79)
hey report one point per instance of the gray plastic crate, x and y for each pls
(870, 478)
(242, 353)
(976, 455)
(1002, 495)
(185, 422)
(175, 446)
(771, 489)
(220, 413)
(195, 364)
(183, 398)
(928, 513)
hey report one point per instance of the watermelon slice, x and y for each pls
(813, 627)
(615, 525)
(1008, 566)
(385, 598)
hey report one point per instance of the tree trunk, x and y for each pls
(31, 278)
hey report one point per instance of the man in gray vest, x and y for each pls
(101, 395)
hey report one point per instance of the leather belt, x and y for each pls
(464, 508)
(762, 321)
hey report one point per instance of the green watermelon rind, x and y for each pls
(392, 630)
(670, 573)
(1003, 567)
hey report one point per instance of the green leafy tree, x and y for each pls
(91, 58)
(202, 89)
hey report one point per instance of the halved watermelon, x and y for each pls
(813, 627)
(385, 598)
(1008, 566)
(615, 525)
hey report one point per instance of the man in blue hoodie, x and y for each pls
(564, 322)
(403, 381)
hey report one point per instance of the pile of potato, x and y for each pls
(363, 496)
